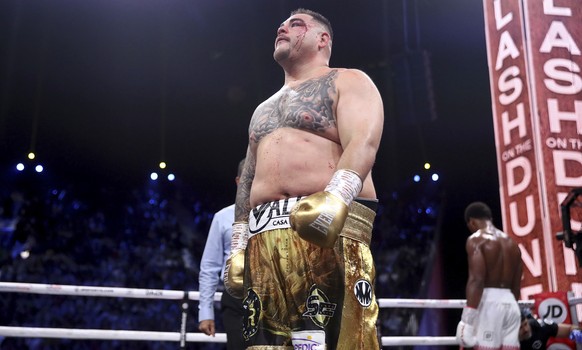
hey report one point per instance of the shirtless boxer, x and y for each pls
(492, 317)
(308, 271)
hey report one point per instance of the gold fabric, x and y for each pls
(294, 285)
(358, 225)
(358, 326)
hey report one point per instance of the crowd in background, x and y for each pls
(152, 238)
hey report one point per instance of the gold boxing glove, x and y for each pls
(235, 264)
(320, 217)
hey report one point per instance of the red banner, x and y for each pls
(514, 134)
(554, 30)
(536, 95)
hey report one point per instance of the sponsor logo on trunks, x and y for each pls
(308, 340)
(274, 214)
(318, 307)
(363, 292)
(308, 346)
(252, 312)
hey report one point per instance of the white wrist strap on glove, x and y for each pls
(469, 315)
(240, 236)
(345, 184)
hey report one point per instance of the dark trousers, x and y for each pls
(232, 319)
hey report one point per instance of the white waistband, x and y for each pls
(271, 215)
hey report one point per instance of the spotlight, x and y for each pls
(154, 176)
(416, 178)
(171, 177)
(427, 165)
(20, 167)
(39, 168)
(435, 177)
(163, 165)
(31, 155)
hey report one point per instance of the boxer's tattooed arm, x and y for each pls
(309, 107)
(243, 193)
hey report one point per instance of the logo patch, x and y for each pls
(318, 307)
(363, 292)
(252, 314)
(308, 340)
(271, 215)
(553, 309)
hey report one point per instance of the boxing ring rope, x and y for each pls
(184, 296)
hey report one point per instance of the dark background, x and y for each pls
(103, 90)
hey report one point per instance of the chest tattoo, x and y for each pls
(308, 106)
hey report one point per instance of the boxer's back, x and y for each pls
(501, 255)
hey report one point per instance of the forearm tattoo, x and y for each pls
(243, 193)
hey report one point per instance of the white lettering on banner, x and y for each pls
(558, 36)
(509, 80)
(559, 86)
(550, 9)
(516, 150)
(576, 144)
(528, 292)
(500, 19)
(556, 116)
(537, 106)
(507, 48)
(508, 154)
(561, 69)
(519, 122)
(560, 159)
(530, 216)
(533, 262)
(511, 167)
(552, 142)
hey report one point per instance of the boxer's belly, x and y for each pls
(292, 163)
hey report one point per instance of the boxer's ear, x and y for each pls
(472, 225)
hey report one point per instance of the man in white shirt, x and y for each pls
(216, 252)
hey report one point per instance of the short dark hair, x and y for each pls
(316, 16)
(478, 210)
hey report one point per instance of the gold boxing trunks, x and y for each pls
(293, 285)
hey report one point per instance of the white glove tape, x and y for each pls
(345, 184)
(240, 236)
